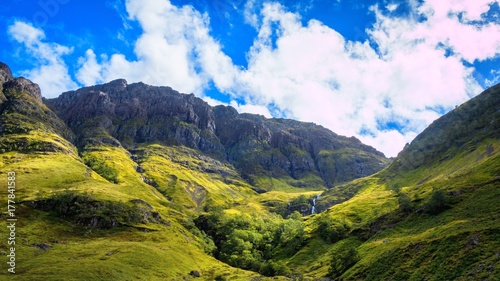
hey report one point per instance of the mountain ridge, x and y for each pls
(119, 114)
(105, 206)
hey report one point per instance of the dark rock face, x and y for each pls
(120, 114)
(281, 147)
(117, 113)
(22, 111)
(5, 73)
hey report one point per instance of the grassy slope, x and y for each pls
(181, 183)
(461, 242)
(147, 252)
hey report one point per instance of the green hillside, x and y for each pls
(102, 194)
(431, 215)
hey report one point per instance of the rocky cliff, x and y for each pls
(24, 120)
(121, 114)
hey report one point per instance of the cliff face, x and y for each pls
(24, 120)
(119, 114)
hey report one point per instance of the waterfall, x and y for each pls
(313, 208)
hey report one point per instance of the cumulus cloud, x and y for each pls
(384, 95)
(251, 108)
(175, 49)
(471, 41)
(385, 90)
(51, 72)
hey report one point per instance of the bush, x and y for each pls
(332, 230)
(220, 278)
(100, 167)
(404, 202)
(342, 261)
(247, 241)
(436, 203)
(272, 268)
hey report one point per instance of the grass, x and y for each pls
(122, 253)
(417, 246)
(458, 242)
(369, 207)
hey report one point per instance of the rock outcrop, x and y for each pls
(125, 115)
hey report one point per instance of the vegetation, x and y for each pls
(100, 167)
(84, 210)
(342, 260)
(158, 211)
(436, 203)
(251, 241)
(332, 230)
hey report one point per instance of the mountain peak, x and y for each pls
(260, 148)
(5, 73)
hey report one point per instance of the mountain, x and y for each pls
(108, 172)
(123, 182)
(431, 215)
(26, 124)
(268, 153)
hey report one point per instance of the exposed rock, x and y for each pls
(120, 114)
(42, 246)
(25, 85)
(22, 111)
(194, 273)
(5, 73)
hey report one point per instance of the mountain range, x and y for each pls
(129, 181)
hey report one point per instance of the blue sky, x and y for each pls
(380, 70)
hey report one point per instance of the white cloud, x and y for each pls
(385, 95)
(312, 72)
(315, 74)
(175, 49)
(89, 72)
(392, 7)
(470, 41)
(495, 78)
(51, 73)
(251, 108)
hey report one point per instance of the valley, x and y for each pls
(134, 182)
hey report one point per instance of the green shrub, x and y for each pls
(100, 167)
(332, 230)
(247, 241)
(342, 261)
(220, 278)
(404, 202)
(272, 268)
(436, 203)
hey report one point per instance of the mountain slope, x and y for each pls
(98, 208)
(26, 124)
(132, 182)
(120, 179)
(269, 153)
(432, 214)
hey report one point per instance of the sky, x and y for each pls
(379, 70)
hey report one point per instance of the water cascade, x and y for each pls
(313, 209)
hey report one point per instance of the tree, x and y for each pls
(342, 261)
(405, 205)
(331, 230)
(437, 202)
